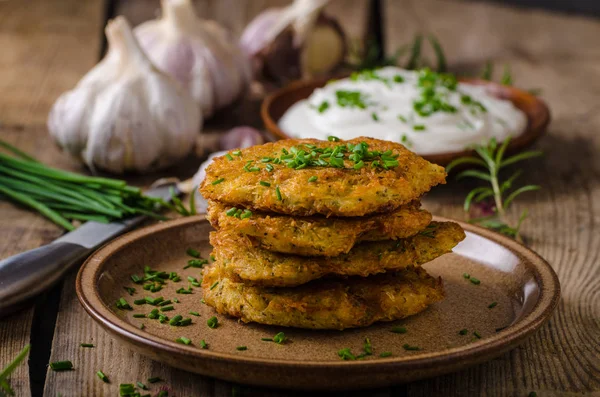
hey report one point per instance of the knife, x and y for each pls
(27, 274)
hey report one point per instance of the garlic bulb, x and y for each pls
(125, 114)
(295, 41)
(200, 54)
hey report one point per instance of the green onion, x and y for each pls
(312, 179)
(203, 344)
(492, 305)
(237, 153)
(165, 303)
(214, 285)
(125, 389)
(61, 365)
(279, 338)
(477, 334)
(399, 330)
(130, 290)
(475, 280)
(141, 386)
(466, 275)
(374, 116)
(9, 369)
(140, 301)
(86, 345)
(264, 183)
(346, 355)
(385, 354)
(212, 322)
(463, 331)
(154, 379)
(231, 211)
(193, 253)
(139, 315)
(136, 279)
(241, 348)
(167, 308)
(419, 127)
(102, 377)
(122, 304)
(332, 138)
(154, 301)
(269, 167)
(228, 156)
(175, 320)
(217, 181)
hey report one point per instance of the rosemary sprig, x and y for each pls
(491, 159)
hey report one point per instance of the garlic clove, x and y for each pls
(125, 115)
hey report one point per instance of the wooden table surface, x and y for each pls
(47, 46)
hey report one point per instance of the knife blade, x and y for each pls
(29, 273)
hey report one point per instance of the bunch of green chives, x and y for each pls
(63, 196)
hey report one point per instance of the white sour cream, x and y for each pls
(386, 110)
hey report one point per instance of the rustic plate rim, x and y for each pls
(545, 275)
(520, 142)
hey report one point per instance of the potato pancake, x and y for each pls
(318, 235)
(305, 177)
(325, 304)
(239, 260)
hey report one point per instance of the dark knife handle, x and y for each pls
(27, 274)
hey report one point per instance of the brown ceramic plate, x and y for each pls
(538, 115)
(524, 286)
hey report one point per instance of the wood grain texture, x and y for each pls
(46, 46)
(559, 54)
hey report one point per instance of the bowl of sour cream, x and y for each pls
(433, 114)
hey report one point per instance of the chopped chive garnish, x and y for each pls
(175, 320)
(463, 331)
(346, 354)
(183, 340)
(402, 118)
(241, 348)
(162, 318)
(214, 285)
(399, 330)
(323, 107)
(125, 389)
(246, 214)
(122, 304)
(141, 386)
(136, 279)
(212, 257)
(163, 393)
(154, 301)
(228, 157)
(267, 339)
(166, 308)
(374, 116)
(193, 253)
(102, 377)
(237, 153)
(61, 365)
(184, 291)
(231, 211)
(142, 326)
(406, 346)
(278, 193)
(154, 379)
(218, 181)
(477, 334)
(532, 394)
(279, 338)
(264, 183)
(332, 138)
(269, 167)
(475, 280)
(86, 345)
(212, 322)
(492, 305)
(165, 303)
(185, 322)
(203, 344)
(359, 165)
(466, 275)
(419, 127)
(139, 315)
(202, 301)
(368, 348)
(385, 354)
(312, 179)
(141, 301)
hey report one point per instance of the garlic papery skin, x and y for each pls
(124, 114)
(198, 53)
(297, 41)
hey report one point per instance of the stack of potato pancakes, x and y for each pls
(323, 234)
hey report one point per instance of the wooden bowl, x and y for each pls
(276, 104)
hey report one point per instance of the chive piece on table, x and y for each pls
(166, 308)
(122, 304)
(102, 377)
(399, 330)
(477, 334)
(141, 385)
(213, 322)
(86, 345)
(154, 379)
(175, 320)
(385, 354)
(279, 338)
(492, 305)
(463, 331)
(61, 365)
(140, 301)
(466, 275)
(195, 314)
(139, 315)
(475, 280)
(214, 285)
(193, 253)
(203, 344)
(267, 339)
(126, 389)
(241, 348)
(183, 340)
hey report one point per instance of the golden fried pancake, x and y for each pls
(318, 235)
(325, 304)
(239, 260)
(308, 176)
